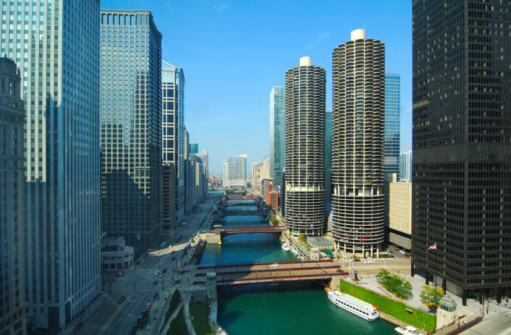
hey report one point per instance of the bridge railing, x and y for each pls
(209, 266)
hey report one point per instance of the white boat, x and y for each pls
(408, 331)
(354, 305)
(285, 246)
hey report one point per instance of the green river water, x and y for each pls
(292, 308)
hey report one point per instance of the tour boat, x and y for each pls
(285, 246)
(354, 305)
(408, 331)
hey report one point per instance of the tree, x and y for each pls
(431, 294)
(302, 238)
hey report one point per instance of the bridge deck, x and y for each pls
(250, 230)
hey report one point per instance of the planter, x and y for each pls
(432, 307)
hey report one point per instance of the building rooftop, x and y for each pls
(319, 242)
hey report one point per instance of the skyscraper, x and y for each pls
(237, 171)
(392, 123)
(305, 149)
(461, 145)
(131, 141)
(173, 132)
(60, 89)
(12, 214)
(357, 142)
(194, 148)
(225, 177)
(405, 165)
(277, 133)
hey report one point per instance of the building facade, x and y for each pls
(131, 119)
(237, 171)
(357, 142)
(256, 175)
(204, 158)
(173, 129)
(328, 139)
(277, 133)
(225, 176)
(461, 145)
(168, 196)
(405, 165)
(58, 58)
(12, 197)
(392, 141)
(193, 148)
(400, 212)
(305, 149)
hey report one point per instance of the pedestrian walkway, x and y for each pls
(172, 317)
(188, 320)
(499, 324)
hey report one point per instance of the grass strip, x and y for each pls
(397, 309)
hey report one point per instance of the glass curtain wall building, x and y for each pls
(277, 133)
(131, 126)
(461, 145)
(405, 165)
(173, 144)
(305, 149)
(56, 47)
(12, 210)
(237, 171)
(358, 135)
(391, 148)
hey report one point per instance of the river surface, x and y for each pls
(286, 308)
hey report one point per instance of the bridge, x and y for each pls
(260, 212)
(271, 272)
(250, 230)
(243, 197)
(228, 203)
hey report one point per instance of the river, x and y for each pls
(286, 308)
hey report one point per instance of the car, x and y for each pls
(78, 327)
(155, 282)
(135, 326)
(121, 299)
(275, 265)
(368, 262)
(356, 260)
(338, 270)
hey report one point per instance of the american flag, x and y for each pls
(433, 247)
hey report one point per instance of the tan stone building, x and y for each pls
(400, 212)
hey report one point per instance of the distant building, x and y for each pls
(267, 185)
(277, 133)
(405, 165)
(225, 177)
(392, 142)
(12, 197)
(256, 175)
(237, 171)
(328, 139)
(400, 212)
(173, 129)
(204, 157)
(305, 149)
(193, 148)
(357, 144)
(273, 199)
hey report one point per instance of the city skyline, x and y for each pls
(227, 90)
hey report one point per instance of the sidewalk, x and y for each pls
(172, 317)
(188, 320)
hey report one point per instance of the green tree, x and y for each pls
(302, 238)
(429, 294)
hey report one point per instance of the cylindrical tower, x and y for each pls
(305, 149)
(357, 144)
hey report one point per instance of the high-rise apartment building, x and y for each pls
(357, 142)
(256, 175)
(461, 145)
(392, 141)
(277, 133)
(405, 165)
(131, 126)
(305, 149)
(237, 171)
(173, 129)
(56, 48)
(12, 197)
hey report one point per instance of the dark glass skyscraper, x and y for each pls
(392, 123)
(131, 141)
(462, 144)
(277, 133)
(305, 149)
(357, 143)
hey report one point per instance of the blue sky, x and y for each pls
(234, 52)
